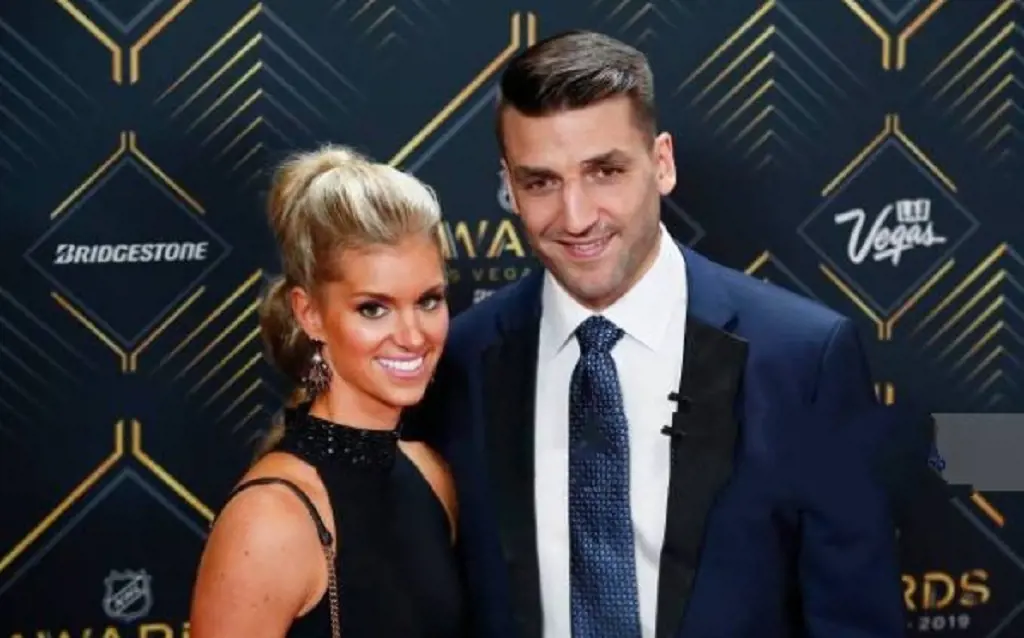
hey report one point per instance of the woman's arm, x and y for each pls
(262, 567)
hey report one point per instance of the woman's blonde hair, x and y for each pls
(321, 203)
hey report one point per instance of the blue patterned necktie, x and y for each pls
(602, 563)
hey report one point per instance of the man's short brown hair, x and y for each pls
(576, 69)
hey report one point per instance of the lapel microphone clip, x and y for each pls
(676, 431)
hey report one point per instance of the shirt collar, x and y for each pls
(641, 312)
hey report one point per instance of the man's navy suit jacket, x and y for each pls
(777, 523)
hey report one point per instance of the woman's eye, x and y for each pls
(372, 310)
(432, 302)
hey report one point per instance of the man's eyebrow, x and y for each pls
(614, 156)
(533, 171)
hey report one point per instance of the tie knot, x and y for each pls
(597, 335)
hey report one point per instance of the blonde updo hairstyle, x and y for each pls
(322, 203)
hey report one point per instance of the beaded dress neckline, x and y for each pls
(320, 440)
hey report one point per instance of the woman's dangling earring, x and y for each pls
(318, 376)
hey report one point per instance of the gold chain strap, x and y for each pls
(332, 591)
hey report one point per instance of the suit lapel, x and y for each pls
(702, 458)
(705, 432)
(510, 366)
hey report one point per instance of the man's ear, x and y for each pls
(665, 163)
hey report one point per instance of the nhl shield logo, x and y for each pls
(504, 196)
(128, 595)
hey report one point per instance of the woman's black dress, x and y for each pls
(396, 567)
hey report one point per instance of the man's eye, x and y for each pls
(608, 171)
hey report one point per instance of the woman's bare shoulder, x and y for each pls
(261, 565)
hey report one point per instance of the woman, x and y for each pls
(341, 528)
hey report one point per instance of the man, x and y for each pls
(646, 443)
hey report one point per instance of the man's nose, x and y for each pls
(579, 210)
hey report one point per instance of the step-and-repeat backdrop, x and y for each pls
(867, 153)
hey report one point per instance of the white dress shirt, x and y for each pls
(649, 360)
